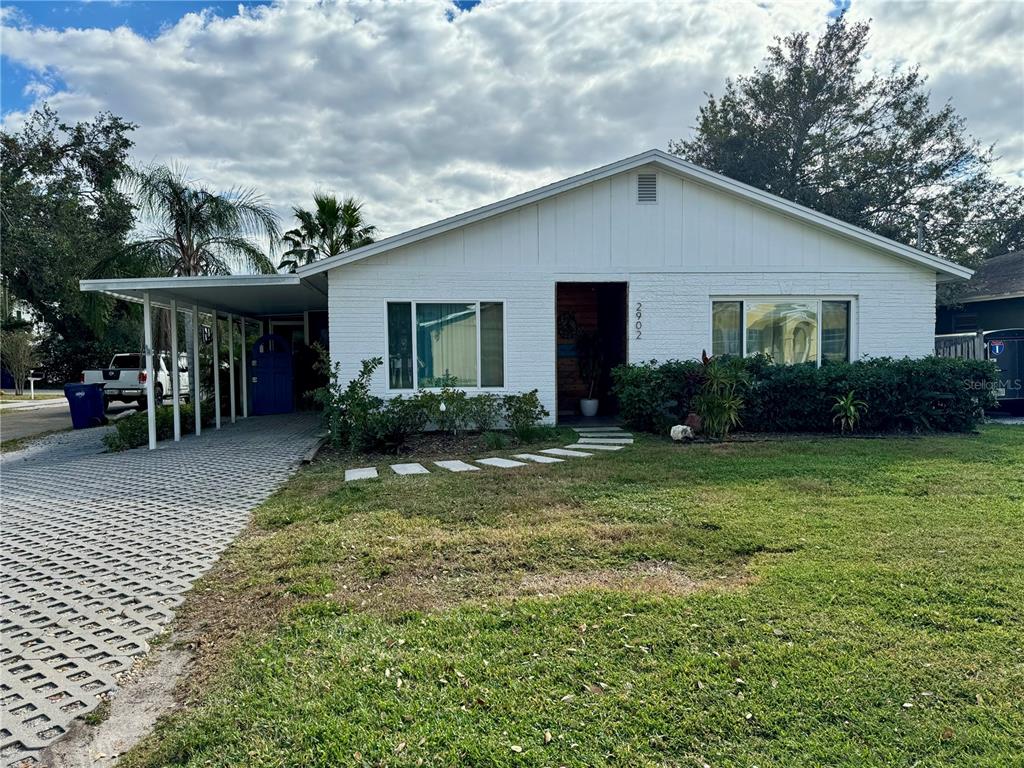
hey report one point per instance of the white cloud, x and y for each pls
(424, 117)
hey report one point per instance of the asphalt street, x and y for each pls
(48, 417)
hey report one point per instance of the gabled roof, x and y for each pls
(998, 277)
(657, 158)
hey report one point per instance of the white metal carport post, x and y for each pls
(216, 373)
(175, 384)
(245, 376)
(147, 324)
(231, 363)
(193, 392)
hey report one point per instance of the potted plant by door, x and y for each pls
(590, 359)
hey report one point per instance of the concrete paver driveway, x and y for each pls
(97, 551)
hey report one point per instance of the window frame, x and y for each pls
(745, 300)
(479, 357)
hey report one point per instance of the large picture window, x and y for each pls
(433, 343)
(790, 329)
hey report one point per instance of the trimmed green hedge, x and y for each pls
(922, 395)
(133, 431)
(653, 397)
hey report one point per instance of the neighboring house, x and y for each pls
(993, 299)
(659, 257)
(19, 310)
(987, 321)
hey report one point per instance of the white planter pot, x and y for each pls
(588, 407)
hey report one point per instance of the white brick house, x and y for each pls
(677, 238)
(653, 256)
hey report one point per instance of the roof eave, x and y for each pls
(204, 281)
(990, 297)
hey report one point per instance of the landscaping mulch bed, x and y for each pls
(433, 445)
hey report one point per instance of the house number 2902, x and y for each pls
(639, 314)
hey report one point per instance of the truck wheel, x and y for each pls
(158, 394)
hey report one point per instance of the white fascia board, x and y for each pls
(170, 283)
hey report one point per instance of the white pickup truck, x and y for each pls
(125, 378)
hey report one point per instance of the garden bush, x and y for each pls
(523, 412)
(388, 427)
(653, 397)
(906, 395)
(360, 421)
(448, 409)
(483, 412)
(133, 431)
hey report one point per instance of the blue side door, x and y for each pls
(270, 376)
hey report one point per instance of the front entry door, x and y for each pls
(270, 374)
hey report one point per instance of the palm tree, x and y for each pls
(198, 232)
(333, 227)
(191, 232)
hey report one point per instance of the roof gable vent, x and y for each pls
(647, 188)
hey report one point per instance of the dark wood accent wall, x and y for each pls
(595, 307)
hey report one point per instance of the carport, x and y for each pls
(237, 299)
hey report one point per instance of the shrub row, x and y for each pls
(133, 431)
(922, 395)
(364, 422)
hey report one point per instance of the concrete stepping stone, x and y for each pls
(457, 466)
(607, 440)
(362, 473)
(564, 452)
(410, 469)
(538, 458)
(606, 435)
(595, 447)
(503, 463)
(597, 430)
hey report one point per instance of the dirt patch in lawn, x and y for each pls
(122, 721)
(217, 617)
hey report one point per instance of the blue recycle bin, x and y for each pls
(86, 402)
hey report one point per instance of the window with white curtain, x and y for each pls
(434, 343)
(790, 329)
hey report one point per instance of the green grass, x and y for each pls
(10, 397)
(797, 603)
(98, 715)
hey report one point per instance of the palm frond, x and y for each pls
(332, 227)
(244, 251)
(194, 231)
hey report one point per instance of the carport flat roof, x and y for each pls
(250, 295)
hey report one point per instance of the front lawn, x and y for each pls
(801, 602)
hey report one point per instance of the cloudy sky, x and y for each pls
(428, 109)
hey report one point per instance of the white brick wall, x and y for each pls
(358, 294)
(894, 315)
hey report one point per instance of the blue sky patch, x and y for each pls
(145, 17)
